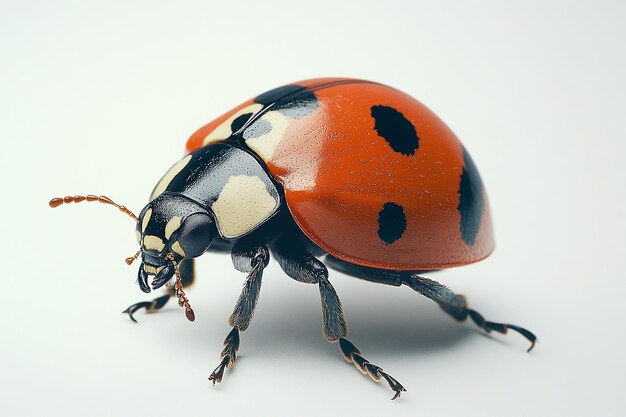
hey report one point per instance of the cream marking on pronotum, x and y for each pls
(265, 145)
(146, 219)
(172, 225)
(243, 204)
(178, 249)
(169, 176)
(223, 131)
(153, 242)
(138, 236)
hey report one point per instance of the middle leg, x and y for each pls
(300, 265)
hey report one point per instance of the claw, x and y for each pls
(150, 306)
(488, 326)
(526, 333)
(132, 309)
(218, 373)
(397, 394)
(393, 384)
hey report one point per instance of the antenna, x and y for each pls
(131, 259)
(57, 201)
(183, 301)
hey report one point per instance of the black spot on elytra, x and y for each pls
(293, 101)
(395, 129)
(298, 105)
(239, 122)
(471, 205)
(272, 96)
(391, 222)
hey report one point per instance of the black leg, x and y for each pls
(334, 324)
(300, 265)
(456, 306)
(187, 278)
(228, 355)
(250, 259)
(353, 355)
(451, 303)
(246, 304)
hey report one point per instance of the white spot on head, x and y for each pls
(172, 225)
(265, 145)
(223, 131)
(178, 249)
(153, 242)
(169, 176)
(243, 204)
(146, 219)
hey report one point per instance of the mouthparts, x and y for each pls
(162, 275)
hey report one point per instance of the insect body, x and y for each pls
(340, 172)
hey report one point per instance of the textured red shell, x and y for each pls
(373, 177)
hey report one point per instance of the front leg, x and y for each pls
(187, 277)
(228, 355)
(253, 260)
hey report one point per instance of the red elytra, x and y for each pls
(339, 171)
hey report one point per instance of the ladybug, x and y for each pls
(344, 173)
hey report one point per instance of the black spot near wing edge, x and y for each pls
(396, 129)
(471, 204)
(391, 222)
(292, 100)
(274, 95)
(239, 122)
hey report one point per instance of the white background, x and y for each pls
(100, 98)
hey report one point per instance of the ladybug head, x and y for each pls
(171, 228)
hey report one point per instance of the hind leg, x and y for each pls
(453, 304)
(187, 277)
(456, 306)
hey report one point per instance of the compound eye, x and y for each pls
(195, 236)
